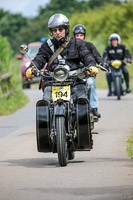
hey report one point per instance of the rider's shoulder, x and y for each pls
(89, 45)
(108, 47)
(76, 40)
(122, 46)
(45, 44)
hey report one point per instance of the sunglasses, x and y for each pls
(57, 29)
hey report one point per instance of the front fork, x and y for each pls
(61, 109)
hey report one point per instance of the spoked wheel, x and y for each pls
(118, 88)
(61, 141)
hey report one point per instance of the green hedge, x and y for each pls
(5, 55)
(101, 22)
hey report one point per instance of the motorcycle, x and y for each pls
(63, 125)
(117, 78)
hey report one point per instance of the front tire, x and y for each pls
(118, 88)
(61, 141)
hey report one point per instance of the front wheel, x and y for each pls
(61, 141)
(118, 87)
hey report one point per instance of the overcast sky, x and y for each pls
(28, 8)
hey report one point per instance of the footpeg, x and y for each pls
(94, 133)
(96, 119)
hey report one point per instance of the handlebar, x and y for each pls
(103, 68)
(47, 75)
(122, 61)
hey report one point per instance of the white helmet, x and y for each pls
(114, 36)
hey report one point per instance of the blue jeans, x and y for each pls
(93, 92)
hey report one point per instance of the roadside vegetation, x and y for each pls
(130, 145)
(17, 99)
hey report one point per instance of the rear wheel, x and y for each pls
(61, 141)
(118, 88)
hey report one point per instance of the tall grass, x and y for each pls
(130, 145)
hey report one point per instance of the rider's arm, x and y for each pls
(127, 55)
(94, 52)
(106, 55)
(42, 56)
(84, 54)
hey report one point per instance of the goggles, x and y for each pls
(60, 29)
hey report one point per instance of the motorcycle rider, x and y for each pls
(79, 31)
(117, 51)
(73, 54)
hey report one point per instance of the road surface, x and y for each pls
(105, 173)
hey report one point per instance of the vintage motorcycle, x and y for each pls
(117, 78)
(63, 125)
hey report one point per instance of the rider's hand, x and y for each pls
(93, 71)
(29, 72)
(128, 60)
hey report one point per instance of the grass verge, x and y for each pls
(10, 105)
(130, 145)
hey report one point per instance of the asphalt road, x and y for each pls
(105, 173)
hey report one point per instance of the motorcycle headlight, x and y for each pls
(60, 73)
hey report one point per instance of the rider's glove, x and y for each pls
(128, 60)
(29, 72)
(93, 71)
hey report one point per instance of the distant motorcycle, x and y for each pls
(63, 125)
(117, 78)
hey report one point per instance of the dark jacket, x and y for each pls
(116, 53)
(94, 52)
(75, 53)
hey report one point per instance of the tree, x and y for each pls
(100, 3)
(10, 25)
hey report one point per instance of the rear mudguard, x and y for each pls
(43, 126)
(84, 136)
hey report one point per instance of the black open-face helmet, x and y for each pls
(79, 28)
(58, 20)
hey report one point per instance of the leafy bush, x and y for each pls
(101, 22)
(5, 55)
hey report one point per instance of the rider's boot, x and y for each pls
(71, 155)
(126, 77)
(109, 93)
(128, 90)
(123, 90)
(96, 113)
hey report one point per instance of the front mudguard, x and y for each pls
(59, 110)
